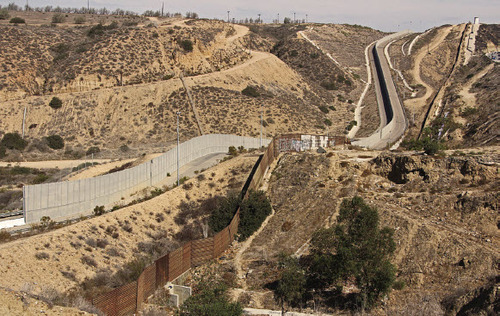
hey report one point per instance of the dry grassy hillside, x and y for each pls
(81, 58)
(444, 212)
(61, 260)
(85, 67)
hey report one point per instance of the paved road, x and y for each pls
(392, 118)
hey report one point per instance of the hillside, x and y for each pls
(457, 101)
(120, 85)
(444, 212)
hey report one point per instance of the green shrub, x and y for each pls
(99, 210)
(3, 151)
(4, 14)
(187, 45)
(55, 103)
(13, 141)
(17, 20)
(328, 85)
(233, 151)
(331, 107)
(58, 18)
(124, 148)
(324, 109)
(328, 122)
(250, 91)
(20, 170)
(223, 214)
(210, 297)
(55, 142)
(40, 178)
(93, 150)
(253, 212)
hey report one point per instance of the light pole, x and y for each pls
(306, 18)
(278, 18)
(259, 19)
(294, 18)
(228, 16)
(178, 113)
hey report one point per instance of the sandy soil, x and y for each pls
(416, 105)
(15, 303)
(61, 251)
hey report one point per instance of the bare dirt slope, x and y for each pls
(444, 212)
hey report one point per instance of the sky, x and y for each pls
(385, 15)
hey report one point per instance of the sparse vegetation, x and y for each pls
(187, 45)
(55, 103)
(250, 91)
(210, 297)
(58, 18)
(4, 14)
(17, 20)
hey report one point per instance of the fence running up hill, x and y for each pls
(72, 198)
(129, 298)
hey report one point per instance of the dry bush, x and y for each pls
(42, 255)
(102, 243)
(88, 261)
(113, 252)
(91, 242)
(69, 275)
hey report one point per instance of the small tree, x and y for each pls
(253, 211)
(291, 283)
(224, 212)
(287, 20)
(17, 20)
(355, 249)
(55, 103)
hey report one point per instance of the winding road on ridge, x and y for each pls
(392, 117)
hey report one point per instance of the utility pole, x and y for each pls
(162, 7)
(88, 6)
(228, 16)
(278, 18)
(306, 18)
(259, 19)
(261, 123)
(178, 113)
(294, 21)
(24, 120)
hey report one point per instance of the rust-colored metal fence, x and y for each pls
(129, 298)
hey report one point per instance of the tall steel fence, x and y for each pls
(130, 298)
(72, 198)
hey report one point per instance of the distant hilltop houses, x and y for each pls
(495, 56)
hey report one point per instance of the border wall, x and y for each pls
(128, 299)
(72, 198)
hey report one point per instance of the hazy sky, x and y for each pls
(386, 15)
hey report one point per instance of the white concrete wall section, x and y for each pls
(72, 198)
